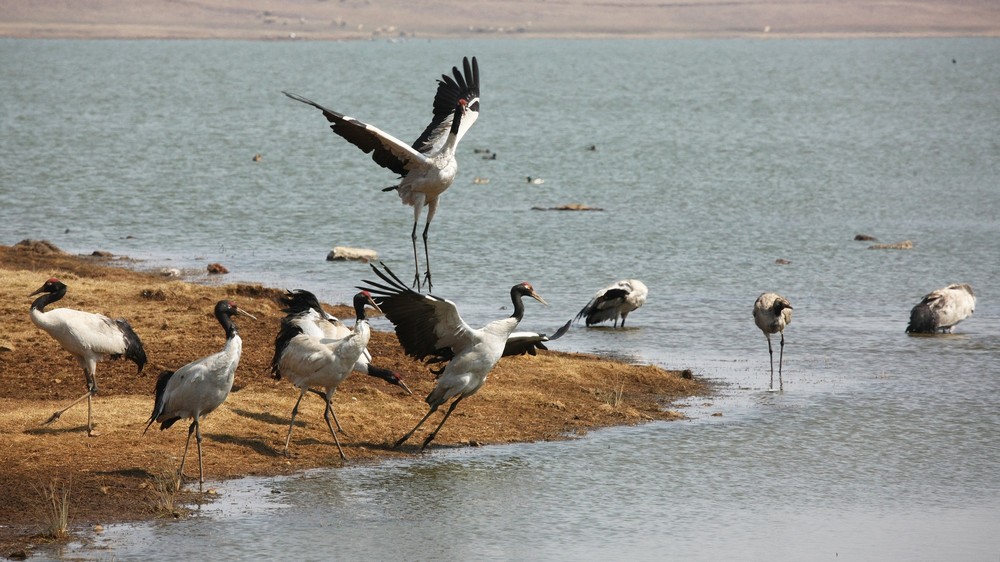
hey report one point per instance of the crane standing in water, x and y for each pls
(941, 309)
(772, 312)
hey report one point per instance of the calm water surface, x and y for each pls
(713, 159)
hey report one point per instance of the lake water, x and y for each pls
(713, 159)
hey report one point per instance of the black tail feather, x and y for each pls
(134, 350)
(161, 387)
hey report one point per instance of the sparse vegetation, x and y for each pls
(612, 396)
(166, 485)
(54, 510)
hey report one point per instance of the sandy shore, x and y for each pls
(391, 19)
(117, 475)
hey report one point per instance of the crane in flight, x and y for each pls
(427, 167)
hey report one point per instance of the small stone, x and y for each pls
(217, 269)
(344, 253)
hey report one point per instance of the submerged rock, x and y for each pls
(568, 207)
(904, 245)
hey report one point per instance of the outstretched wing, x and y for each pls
(427, 326)
(450, 91)
(520, 343)
(386, 150)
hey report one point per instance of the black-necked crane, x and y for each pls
(428, 166)
(772, 312)
(198, 388)
(614, 301)
(429, 326)
(308, 361)
(941, 309)
(302, 307)
(87, 336)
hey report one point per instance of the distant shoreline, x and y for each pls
(261, 20)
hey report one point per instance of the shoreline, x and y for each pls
(552, 396)
(260, 20)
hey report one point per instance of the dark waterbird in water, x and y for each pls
(940, 310)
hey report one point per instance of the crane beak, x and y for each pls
(538, 298)
(40, 290)
(402, 384)
(371, 301)
(245, 313)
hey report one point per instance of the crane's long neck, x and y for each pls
(360, 319)
(48, 298)
(516, 298)
(227, 324)
(453, 135)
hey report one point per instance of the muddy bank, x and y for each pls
(116, 476)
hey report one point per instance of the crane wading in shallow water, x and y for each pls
(307, 360)
(772, 312)
(614, 301)
(428, 166)
(88, 337)
(940, 310)
(429, 326)
(198, 388)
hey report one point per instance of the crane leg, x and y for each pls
(91, 391)
(187, 442)
(416, 427)
(416, 263)
(326, 416)
(438, 428)
(335, 420)
(771, 354)
(427, 256)
(781, 357)
(291, 424)
(197, 437)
